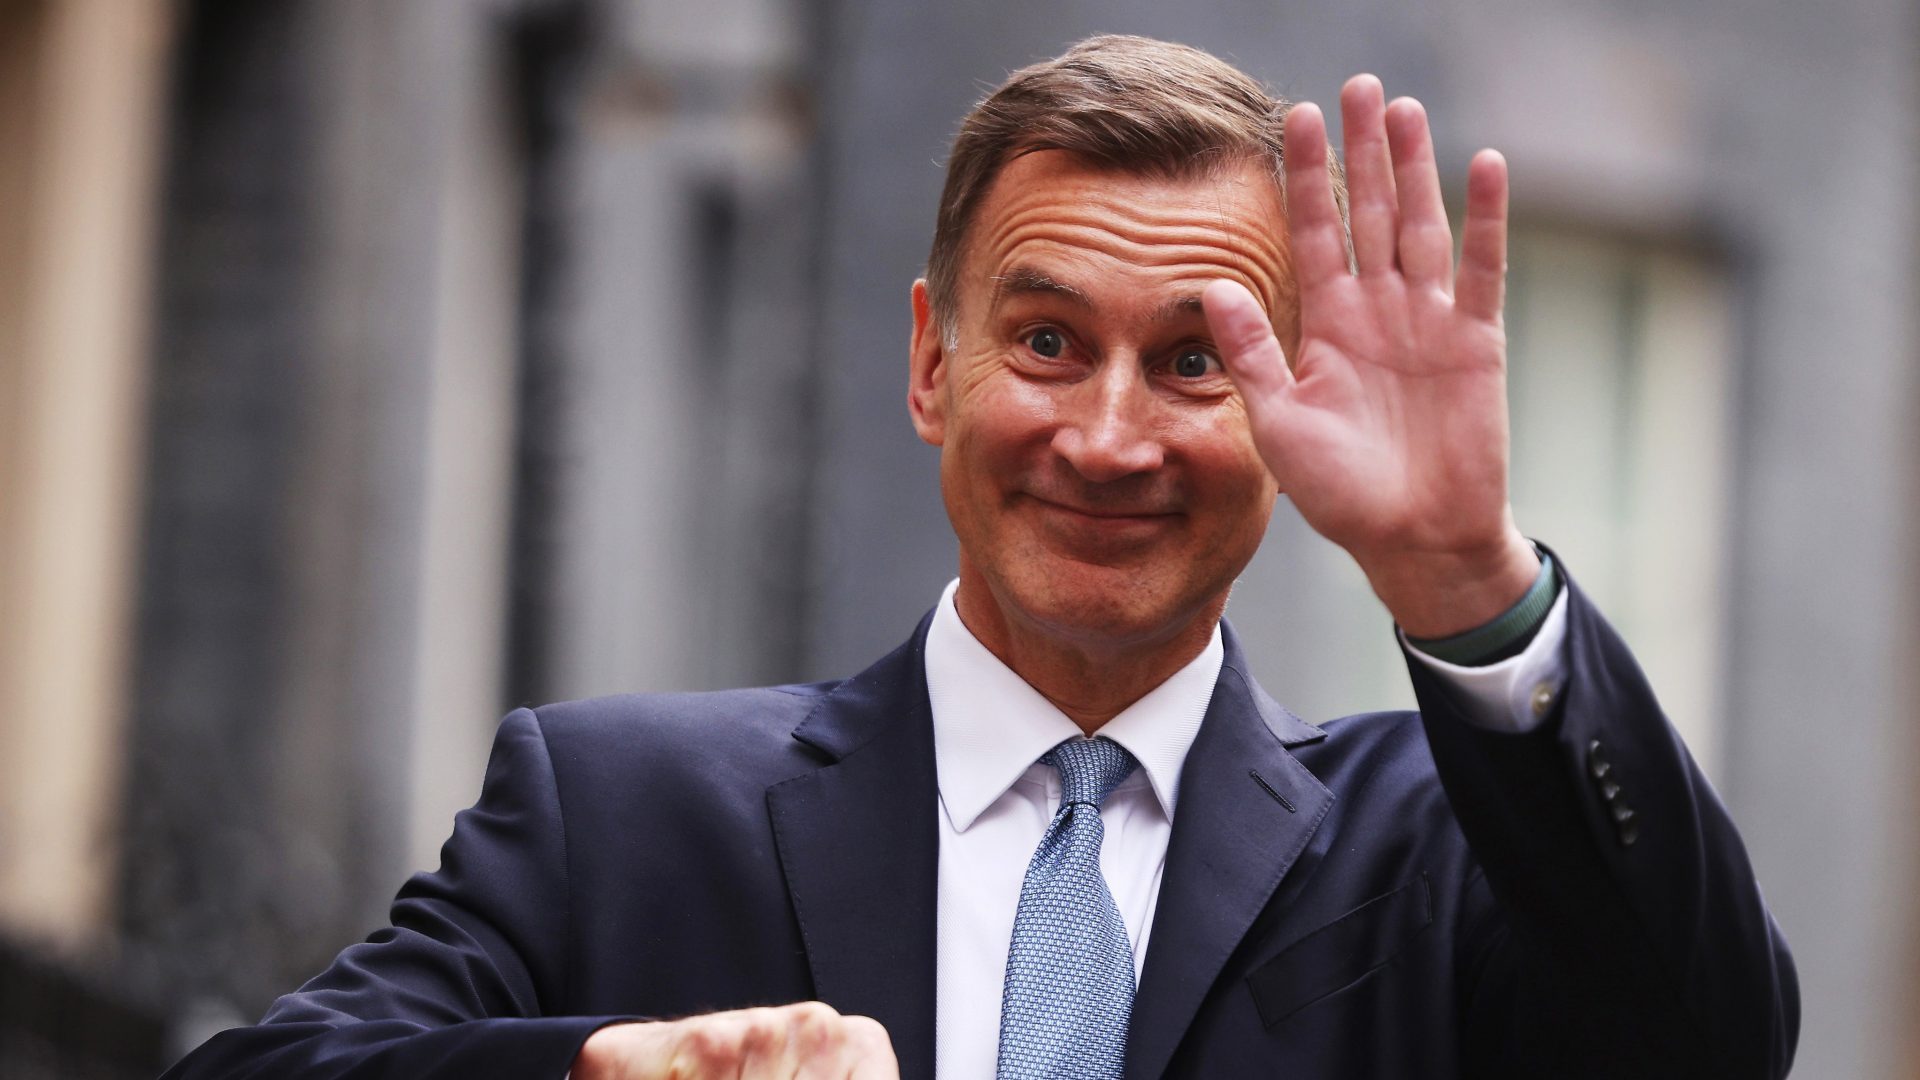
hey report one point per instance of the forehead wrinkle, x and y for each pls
(1247, 251)
(1225, 231)
(1215, 234)
(1161, 202)
(1146, 224)
(1266, 275)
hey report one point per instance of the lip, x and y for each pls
(1107, 515)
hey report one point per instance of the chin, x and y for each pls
(1099, 605)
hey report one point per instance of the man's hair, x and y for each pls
(1132, 104)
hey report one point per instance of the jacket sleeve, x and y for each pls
(1622, 932)
(464, 981)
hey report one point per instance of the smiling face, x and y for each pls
(1096, 461)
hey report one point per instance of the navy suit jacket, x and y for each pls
(1385, 895)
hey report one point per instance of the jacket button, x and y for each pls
(1626, 824)
(1609, 790)
(1597, 764)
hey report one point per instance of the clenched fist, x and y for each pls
(803, 1042)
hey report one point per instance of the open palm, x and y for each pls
(1389, 431)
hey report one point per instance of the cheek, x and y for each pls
(1230, 478)
(999, 428)
(1244, 498)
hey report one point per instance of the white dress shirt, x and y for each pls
(996, 799)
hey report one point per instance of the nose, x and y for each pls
(1106, 427)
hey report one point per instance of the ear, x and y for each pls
(927, 380)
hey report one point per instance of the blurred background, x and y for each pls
(369, 367)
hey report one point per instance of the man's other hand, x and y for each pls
(805, 1041)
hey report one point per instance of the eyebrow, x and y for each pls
(1179, 307)
(1027, 281)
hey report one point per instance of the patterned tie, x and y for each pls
(1069, 990)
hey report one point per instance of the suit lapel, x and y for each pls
(859, 844)
(1247, 810)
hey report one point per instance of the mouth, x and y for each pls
(1108, 516)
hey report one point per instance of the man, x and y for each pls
(1061, 831)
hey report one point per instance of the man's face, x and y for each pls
(1096, 460)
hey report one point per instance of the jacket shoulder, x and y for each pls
(1381, 760)
(736, 731)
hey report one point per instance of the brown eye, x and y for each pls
(1047, 341)
(1195, 363)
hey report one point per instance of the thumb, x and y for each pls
(1248, 347)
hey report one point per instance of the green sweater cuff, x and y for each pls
(1506, 636)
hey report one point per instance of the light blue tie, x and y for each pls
(1069, 990)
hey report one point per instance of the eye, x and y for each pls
(1047, 341)
(1195, 363)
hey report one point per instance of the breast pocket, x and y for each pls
(1342, 952)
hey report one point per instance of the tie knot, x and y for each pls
(1089, 769)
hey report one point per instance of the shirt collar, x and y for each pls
(989, 725)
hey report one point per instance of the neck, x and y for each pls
(1089, 676)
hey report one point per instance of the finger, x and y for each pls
(761, 1044)
(814, 1042)
(871, 1054)
(1314, 229)
(1248, 347)
(1481, 288)
(1425, 242)
(712, 1045)
(1372, 208)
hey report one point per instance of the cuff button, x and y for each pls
(1541, 699)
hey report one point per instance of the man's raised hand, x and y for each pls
(1389, 433)
(808, 1041)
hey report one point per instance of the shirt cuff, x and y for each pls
(1505, 636)
(1515, 694)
